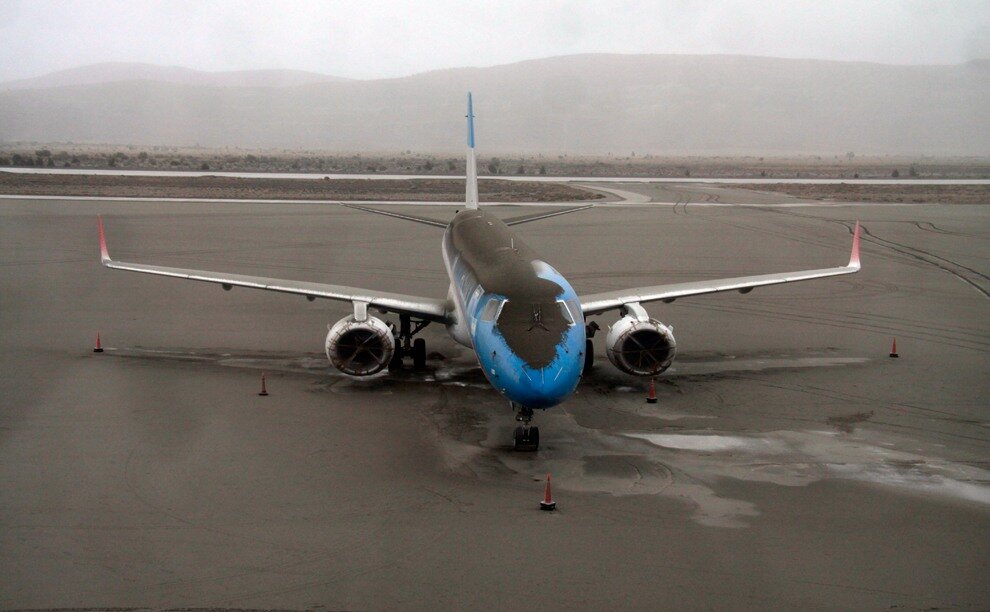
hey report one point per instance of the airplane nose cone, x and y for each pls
(550, 385)
(533, 387)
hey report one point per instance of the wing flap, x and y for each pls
(601, 302)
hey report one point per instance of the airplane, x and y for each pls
(525, 323)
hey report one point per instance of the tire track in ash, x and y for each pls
(908, 410)
(682, 201)
(965, 338)
(964, 273)
(857, 325)
(930, 227)
(842, 400)
(961, 339)
(811, 241)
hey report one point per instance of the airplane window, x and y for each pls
(491, 310)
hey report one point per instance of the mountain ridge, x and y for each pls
(110, 72)
(581, 104)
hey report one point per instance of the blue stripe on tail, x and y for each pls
(470, 122)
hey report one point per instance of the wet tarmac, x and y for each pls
(789, 462)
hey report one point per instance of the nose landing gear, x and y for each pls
(526, 437)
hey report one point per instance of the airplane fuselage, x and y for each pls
(518, 314)
(521, 317)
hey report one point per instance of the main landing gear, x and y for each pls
(589, 348)
(526, 437)
(406, 346)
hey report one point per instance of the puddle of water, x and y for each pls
(714, 443)
(670, 416)
(797, 458)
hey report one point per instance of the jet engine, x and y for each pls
(640, 345)
(360, 348)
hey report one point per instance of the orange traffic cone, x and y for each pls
(99, 347)
(651, 397)
(893, 349)
(264, 389)
(548, 504)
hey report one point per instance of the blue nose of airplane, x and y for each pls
(544, 387)
(534, 386)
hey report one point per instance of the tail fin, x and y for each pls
(471, 190)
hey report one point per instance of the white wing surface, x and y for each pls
(601, 302)
(427, 308)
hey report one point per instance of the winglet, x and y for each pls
(471, 188)
(104, 254)
(854, 256)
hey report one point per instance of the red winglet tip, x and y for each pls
(854, 256)
(104, 253)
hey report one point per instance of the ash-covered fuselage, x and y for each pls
(521, 317)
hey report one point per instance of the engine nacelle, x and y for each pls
(640, 346)
(360, 348)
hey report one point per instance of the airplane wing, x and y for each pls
(426, 308)
(601, 302)
(398, 215)
(518, 220)
(544, 215)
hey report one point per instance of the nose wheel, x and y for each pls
(526, 437)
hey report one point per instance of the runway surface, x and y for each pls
(789, 463)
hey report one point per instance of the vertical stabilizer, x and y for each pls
(471, 191)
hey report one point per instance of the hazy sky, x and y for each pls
(368, 39)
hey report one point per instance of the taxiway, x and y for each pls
(789, 462)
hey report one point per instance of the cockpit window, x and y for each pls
(570, 311)
(576, 311)
(492, 309)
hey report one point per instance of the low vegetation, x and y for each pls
(132, 157)
(224, 187)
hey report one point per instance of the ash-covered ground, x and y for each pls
(789, 462)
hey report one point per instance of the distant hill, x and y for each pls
(112, 72)
(582, 104)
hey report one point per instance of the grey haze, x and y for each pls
(592, 104)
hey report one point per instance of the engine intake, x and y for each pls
(640, 346)
(360, 348)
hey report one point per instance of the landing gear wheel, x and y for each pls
(527, 439)
(589, 357)
(419, 353)
(395, 364)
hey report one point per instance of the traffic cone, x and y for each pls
(264, 389)
(651, 397)
(893, 349)
(99, 347)
(548, 504)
